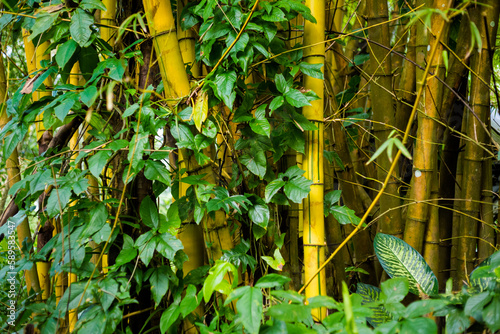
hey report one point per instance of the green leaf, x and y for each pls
(147, 251)
(272, 281)
(276, 103)
(89, 95)
(293, 172)
(259, 124)
(457, 322)
(272, 188)
(128, 252)
(290, 295)
(291, 313)
(98, 161)
(419, 326)
(88, 60)
(312, 70)
(276, 15)
(371, 294)
(80, 27)
(215, 280)
(281, 83)
(97, 218)
(169, 316)
(156, 171)
(491, 314)
(225, 87)
(475, 305)
(350, 324)
(277, 262)
(138, 145)
(59, 198)
(149, 213)
(344, 215)
(92, 4)
(401, 260)
(190, 301)
(159, 280)
(65, 52)
(296, 98)
(332, 156)
(420, 308)
(259, 214)
(168, 245)
(250, 307)
(256, 161)
(63, 108)
(43, 23)
(298, 188)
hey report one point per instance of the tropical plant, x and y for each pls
(197, 160)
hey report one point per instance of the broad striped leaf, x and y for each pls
(483, 276)
(401, 260)
(371, 294)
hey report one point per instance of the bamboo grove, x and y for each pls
(203, 166)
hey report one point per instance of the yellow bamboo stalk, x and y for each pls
(383, 111)
(163, 29)
(73, 145)
(486, 19)
(486, 230)
(14, 176)
(108, 21)
(187, 41)
(425, 152)
(34, 55)
(314, 221)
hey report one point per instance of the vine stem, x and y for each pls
(233, 43)
(391, 170)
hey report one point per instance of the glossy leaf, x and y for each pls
(401, 260)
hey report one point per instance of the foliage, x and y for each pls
(232, 136)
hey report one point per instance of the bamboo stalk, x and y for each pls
(108, 21)
(314, 225)
(425, 152)
(383, 112)
(482, 16)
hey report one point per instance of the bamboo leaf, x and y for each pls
(401, 260)
(380, 149)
